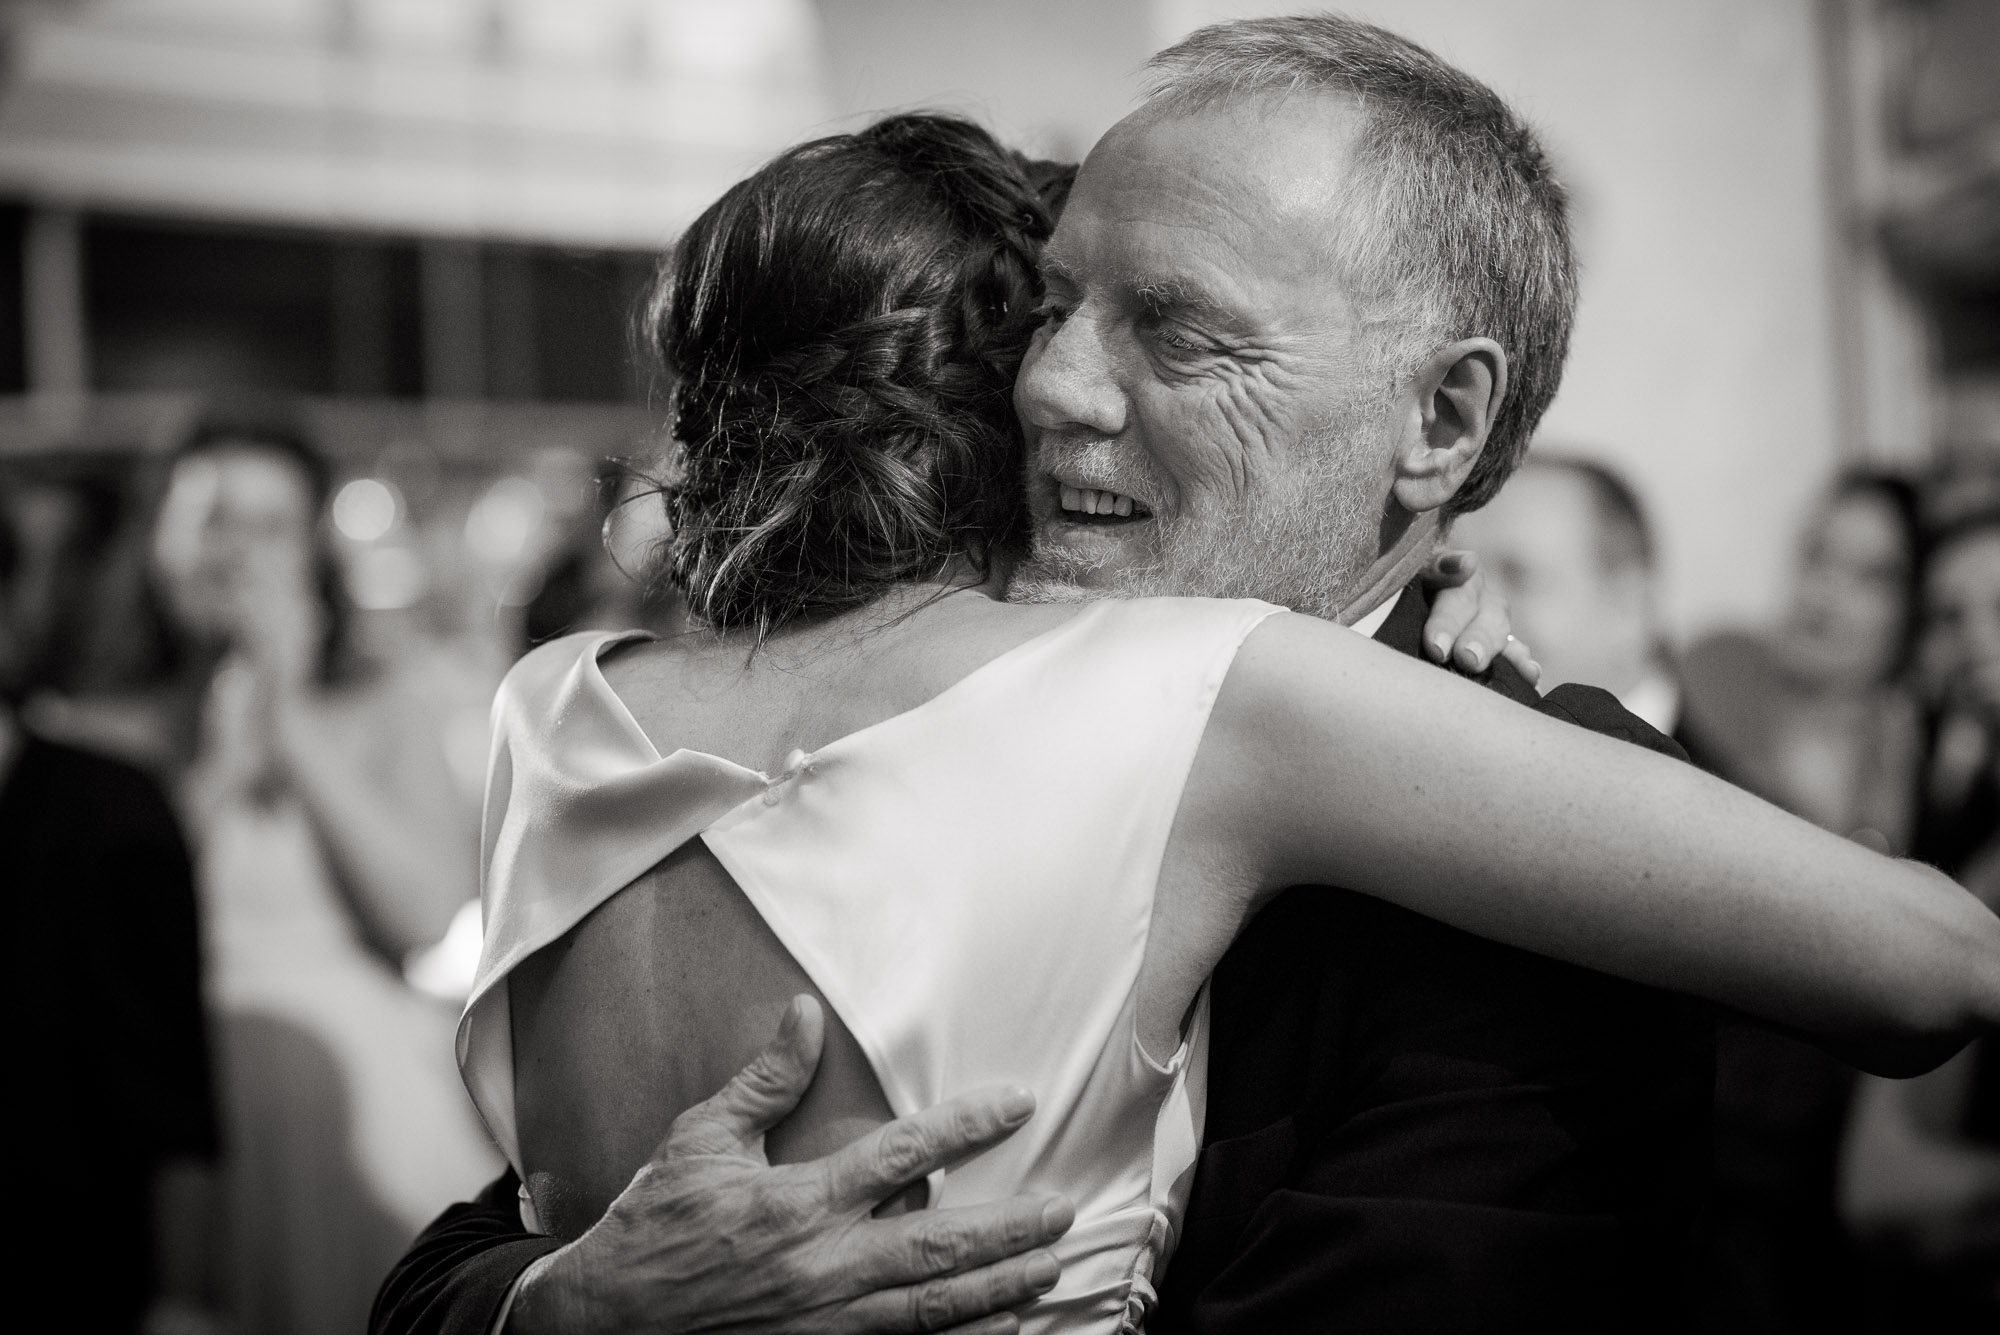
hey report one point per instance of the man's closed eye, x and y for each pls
(1178, 340)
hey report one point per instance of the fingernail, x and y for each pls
(1057, 1216)
(1452, 564)
(1043, 1272)
(1441, 647)
(1468, 658)
(1015, 1104)
(795, 1011)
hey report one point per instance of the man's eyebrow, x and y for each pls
(1160, 295)
(1175, 295)
(1052, 266)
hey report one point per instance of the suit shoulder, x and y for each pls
(1586, 706)
(99, 788)
(1503, 678)
(1598, 710)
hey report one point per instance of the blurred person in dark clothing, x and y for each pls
(1958, 829)
(68, 509)
(1922, 1170)
(1818, 717)
(115, 1113)
(1568, 542)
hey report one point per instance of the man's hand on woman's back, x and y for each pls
(708, 1235)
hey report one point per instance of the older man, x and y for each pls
(1304, 305)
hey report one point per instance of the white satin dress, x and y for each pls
(970, 883)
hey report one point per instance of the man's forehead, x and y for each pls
(1244, 189)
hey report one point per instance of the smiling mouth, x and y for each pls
(1093, 505)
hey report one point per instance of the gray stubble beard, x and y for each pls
(1304, 544)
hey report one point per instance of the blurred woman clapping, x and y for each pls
(331, 846)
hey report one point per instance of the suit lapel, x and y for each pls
(1404, 630)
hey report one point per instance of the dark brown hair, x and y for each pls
(842, 332)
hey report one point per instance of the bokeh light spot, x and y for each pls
(365, 509)
(504, 521)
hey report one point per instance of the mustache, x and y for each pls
(1101, 463)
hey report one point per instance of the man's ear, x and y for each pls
(1453, 400)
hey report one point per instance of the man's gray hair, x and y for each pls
(1452, 225)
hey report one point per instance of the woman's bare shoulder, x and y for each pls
(829, 678)
(1284, 656)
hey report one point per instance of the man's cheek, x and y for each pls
(1246, 424)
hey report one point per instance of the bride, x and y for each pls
(1007, 843)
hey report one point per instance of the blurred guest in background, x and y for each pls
(1959, 826)
(1921, 1180)
(588, 582)
(1818, 717)
(1568, 543)
(67, 510)
(114, 1113)
(593, 581)
(331, 848)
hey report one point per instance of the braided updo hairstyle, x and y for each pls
(842, 331)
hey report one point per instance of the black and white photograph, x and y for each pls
(1009, 667)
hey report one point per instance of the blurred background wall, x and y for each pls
(431, 217)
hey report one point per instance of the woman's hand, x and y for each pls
(279, 623)
(279, 629)
(1468, 623)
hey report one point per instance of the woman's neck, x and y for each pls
(898, 604)
(893, 605)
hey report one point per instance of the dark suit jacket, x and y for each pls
(457, 1273)
(107, 1048)
(1409, 1129)
(1414, 1129)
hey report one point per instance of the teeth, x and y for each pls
(1094, 501)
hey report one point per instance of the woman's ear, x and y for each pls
(1454, 398)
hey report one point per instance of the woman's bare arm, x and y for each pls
(372, 774)
(1331, 759)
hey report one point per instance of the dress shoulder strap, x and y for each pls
(578, 805)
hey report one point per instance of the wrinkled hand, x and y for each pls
(709, 1236)
(1468, 622)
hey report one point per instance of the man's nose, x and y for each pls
(1069, 381)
